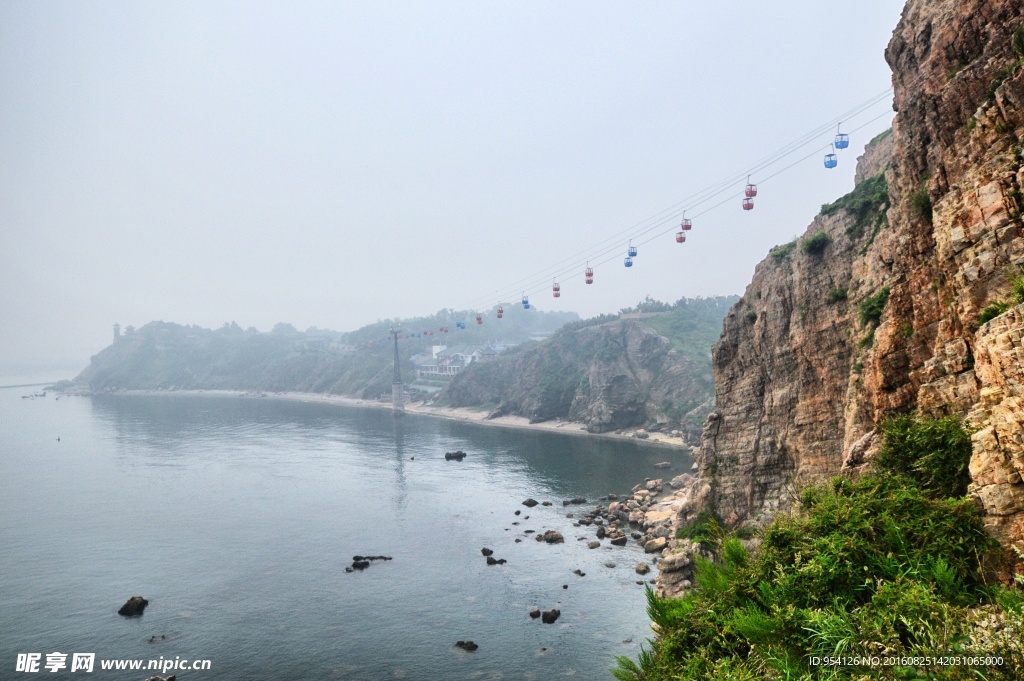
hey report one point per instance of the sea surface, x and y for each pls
(236, 517)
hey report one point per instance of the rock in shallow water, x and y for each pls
(551, 537)
(466, 645)
(530, 503)
(549, 616)
(133, 607)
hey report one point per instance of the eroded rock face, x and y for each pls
(997, 462)
(612, 376)
(802, 380)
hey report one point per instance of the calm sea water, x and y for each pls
(237, 517)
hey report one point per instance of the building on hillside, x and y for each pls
(449, 361)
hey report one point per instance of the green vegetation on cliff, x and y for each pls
(866, 203)
(887, 565)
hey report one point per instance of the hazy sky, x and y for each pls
(331, 164)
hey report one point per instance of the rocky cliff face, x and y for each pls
(608, 376)
(881, 313)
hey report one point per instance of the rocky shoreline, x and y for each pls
(651, 515)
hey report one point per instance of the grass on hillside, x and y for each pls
(889, 565)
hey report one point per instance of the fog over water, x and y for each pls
(331, 164)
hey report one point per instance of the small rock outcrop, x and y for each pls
(133, 607)
(466, 645)
(551, 537)
(455, 456)
(549, 616)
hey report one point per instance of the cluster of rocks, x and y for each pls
(546, 616)
(455, 456)
(466, 645)
(491, 560)
(363, 562)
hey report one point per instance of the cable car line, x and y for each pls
(616, 253)
(698, 198)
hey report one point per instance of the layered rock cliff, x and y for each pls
(875, 310)
(650, 373)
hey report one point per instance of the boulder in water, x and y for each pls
(549, 616)
(133, 607)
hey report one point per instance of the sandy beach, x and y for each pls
(463, 414)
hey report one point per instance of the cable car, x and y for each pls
(501, 311)
(687, 224)
(589, 274)
(842, 139)
(526, 302)
(628, 262)
(631, 251)
(479, 319)
(748, 204)
(751, 191)
(830, 159)
(556, 289)
(460, 325)
(680, 237)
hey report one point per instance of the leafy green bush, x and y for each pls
(705, 528)
(871, 307)
(872, 565)
(921, 205)
(815, 245)
(934, 453)
(836, 295)
(992, 311)
(890, 563)
(864, 203)
(780, 253)
(1016, 287)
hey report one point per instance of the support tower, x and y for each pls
(397, 390)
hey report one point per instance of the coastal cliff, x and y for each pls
(902, 295)
(650, 372)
